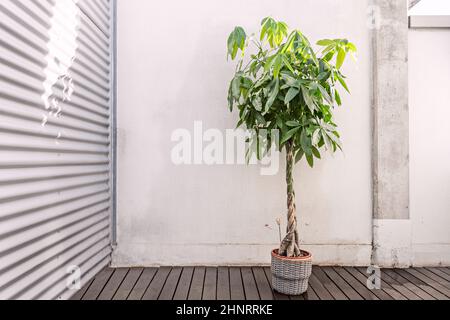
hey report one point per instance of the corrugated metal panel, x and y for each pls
(55, 154)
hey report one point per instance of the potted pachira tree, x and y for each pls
(283, 84)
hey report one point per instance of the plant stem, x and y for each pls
(290, 245)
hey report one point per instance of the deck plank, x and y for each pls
(170, 286)
(154, 289)
(363, 291)
(362, 279)
(342, 284)
(236, 286)
(389, 287)
(98, 284)
(276, 295)
(310, 294)
(196, 290)
(142, 284)
(113, 284)
(440, 273)
(425, 286)
(182, 291)
(445, 270)
(404, 286)
(80, 293)
(319, 288)
(396, 289)
(264, 287)
(223, 284)
(254, 283)
(430, 281)
(128, 283)
(210, 286)
(250, 288)
(329, 284)
(300, 297)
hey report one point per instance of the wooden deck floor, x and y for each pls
(246, 283)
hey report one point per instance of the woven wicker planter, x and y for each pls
(290, 275)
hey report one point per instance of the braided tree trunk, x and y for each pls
(290, 246)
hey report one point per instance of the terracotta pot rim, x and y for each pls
(306, 257)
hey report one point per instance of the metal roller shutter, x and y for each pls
(55, 154)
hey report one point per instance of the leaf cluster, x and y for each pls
(287, 85)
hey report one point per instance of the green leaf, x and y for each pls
(342, 82)
(316, 138)
(299, 156)
(277, 65)
(260, 118)
(290, 95)
(287, 63)
(325, 42)
(270, 62)
(236, 87)
(325, 94)
(351, 47)
(273, 94)
(305, 141)
(289, 135)
(337, 98)
(316, 152)
(257, 103)
(327, 140)
(340, 58)
(323, 76)
(293, 123)
(236, 41)
(308, 100)
(310, 160)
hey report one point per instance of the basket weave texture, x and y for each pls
(290, 276)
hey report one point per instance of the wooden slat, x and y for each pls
(80, 293)
(404, 286)
(223, 284)
(157, 284)
(389, 287)
(98, 284)
(250, 289)
(184, 284)
(434, 276)
(254, 283)
(236, 287)
(196, 291)
(142, 284)
(440, 285)
(170, 286)
(319, 288)
(363, 291)
(210, 286)
(427, 287)
(276, 295)
(445, 270)
(439, 273)
(311, 294)
(113, 284)
(342, 284)
(128, 284)
(264, 287)
(362, 278)
(327, 283)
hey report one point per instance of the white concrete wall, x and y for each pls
(172, 71)
(429, 86)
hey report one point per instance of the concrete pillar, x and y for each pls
(391, 227)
